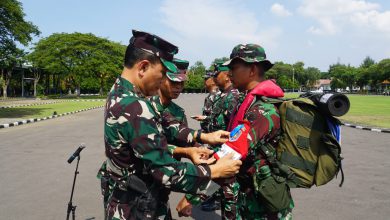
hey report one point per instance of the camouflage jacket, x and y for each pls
(135, 145)
(174, 123)
(208, 105)
(223, 108)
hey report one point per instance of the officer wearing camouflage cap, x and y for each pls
(173, 118)
(138, 161)
(248, 64)
(227, 100)
(212, 96)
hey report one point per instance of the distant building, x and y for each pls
(384, 87)
(323, 84)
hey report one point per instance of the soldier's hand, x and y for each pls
(184, 207)
(216, 137)
(199, 117)
(225, 167)
(198, 155)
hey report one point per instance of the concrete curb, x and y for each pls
(52, 102)
(32, 120)
(24, 105)
(366, 128)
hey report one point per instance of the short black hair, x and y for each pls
(134, 54)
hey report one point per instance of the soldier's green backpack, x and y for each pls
(306, 145)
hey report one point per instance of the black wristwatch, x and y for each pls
(197, 138)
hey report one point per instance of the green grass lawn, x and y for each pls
(41, 111)
(368, 110)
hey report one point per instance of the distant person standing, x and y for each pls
(212, 96)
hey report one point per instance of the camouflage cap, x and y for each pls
(250, 53)
(181, 74)
(156, 45)
(219, 67)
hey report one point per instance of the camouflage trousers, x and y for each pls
(251, 208)
(125, 206)
(229, 206)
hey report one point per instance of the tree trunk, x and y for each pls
(4, 92)
(37, 76)
(78, 89)
(2, 82)
(55, 84)
(101, 86)
(35, 88)
(6, 79)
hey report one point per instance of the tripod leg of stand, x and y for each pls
(73, 212)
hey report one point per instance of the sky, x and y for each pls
(317, 32)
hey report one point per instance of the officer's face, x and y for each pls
(240, 75)
(170, 89)
(221, 79)
(210, 85)
(151, 79)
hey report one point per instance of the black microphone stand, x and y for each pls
(71, 207)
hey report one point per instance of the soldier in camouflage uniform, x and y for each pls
(138, 161)
(173, 118)
(227, 100)
(248, 65)
(219, 120)
(209, 101)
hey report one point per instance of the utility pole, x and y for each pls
(293, 79)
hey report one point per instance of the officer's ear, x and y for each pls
(142, 67)
(254, 70)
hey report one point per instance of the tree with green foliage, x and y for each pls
(367, 62)
(13, 29)
(364, 72)
(278, 70)
(107, 63)
(77, 57)
(384, 69)
(283, 74)
(313, 75)
(195, 76)
(299, 74)
(344, 75)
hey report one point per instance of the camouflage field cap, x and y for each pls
(181, 74)
(219, 67)
(250, 53)
(156, 45)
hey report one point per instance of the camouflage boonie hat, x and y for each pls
(156, 45)
(250, 53)
(181, 74)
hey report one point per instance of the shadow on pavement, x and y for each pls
(20, 112)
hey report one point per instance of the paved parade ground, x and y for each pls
(36, 180)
